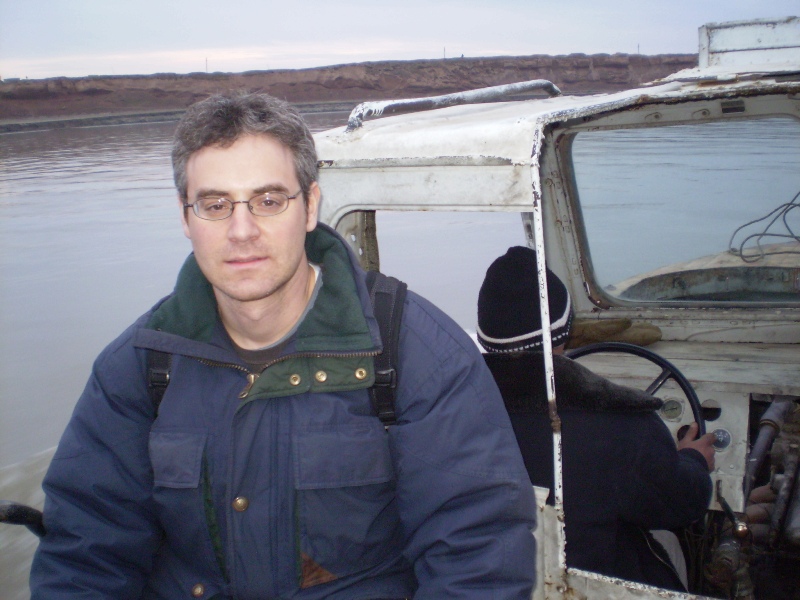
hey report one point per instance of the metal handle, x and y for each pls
(379, 108)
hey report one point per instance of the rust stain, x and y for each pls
(313, 574)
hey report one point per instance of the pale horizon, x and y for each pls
(323, 66)
(42, 39)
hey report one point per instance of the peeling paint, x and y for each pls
(425, 162)
(377, 109)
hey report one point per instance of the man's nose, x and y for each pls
(243, 224)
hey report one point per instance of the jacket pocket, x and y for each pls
(176, 457)
(182, 497)
(346, 513)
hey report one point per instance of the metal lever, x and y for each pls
(740, 528)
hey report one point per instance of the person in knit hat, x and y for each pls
(509, 318)
(623, 474)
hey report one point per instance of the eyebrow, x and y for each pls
(214, 193)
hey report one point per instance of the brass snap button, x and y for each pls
(198, 590)
(361, 373)
(294, 379)
(321, 376)
(240, 504)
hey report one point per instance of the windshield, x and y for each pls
(703, 212)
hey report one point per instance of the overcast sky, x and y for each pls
(49, 38)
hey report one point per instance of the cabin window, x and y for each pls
(443, 256)
(701, 213)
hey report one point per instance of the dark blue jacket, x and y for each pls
(622, 473)
(286, 485)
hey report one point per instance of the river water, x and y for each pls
(90, 238)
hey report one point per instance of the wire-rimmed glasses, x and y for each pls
(267, 204)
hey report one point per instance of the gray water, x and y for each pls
(90, 238)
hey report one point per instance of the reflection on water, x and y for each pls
(658, 196)
(90, 238)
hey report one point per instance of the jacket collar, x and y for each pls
(520, 377)
(341, 319)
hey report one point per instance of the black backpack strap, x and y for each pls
(158, 364)
(388, 298)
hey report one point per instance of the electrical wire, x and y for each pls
(757, 253)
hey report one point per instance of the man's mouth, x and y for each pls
(245, 260)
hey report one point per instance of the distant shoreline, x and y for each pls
(135, 117)
(27, 105)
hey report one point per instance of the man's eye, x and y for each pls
(214, 205)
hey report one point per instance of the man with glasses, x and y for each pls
(264, 472)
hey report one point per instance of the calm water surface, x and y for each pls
(90, 238)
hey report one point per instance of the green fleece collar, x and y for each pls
(335, 323)
(191, 310)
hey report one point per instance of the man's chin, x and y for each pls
(242, 294)
(244, 298)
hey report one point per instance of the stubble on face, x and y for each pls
(253, 263)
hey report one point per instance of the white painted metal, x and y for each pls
(505, 157)
(745, 44)
(583, 585)
(745, 50)
(499, 92)
(547, 348)
(476, 158)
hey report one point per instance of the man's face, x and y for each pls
(248, 258)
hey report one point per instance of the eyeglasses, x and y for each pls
(262, 205)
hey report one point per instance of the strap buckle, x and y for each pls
(386, 378)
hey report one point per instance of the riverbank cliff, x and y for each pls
(340, 87)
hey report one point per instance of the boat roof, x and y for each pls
(506, 136)
(739, 58)
(745, 49)
(505, 129)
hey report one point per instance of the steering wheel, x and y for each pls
(668, 371)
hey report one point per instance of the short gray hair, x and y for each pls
(222, 119)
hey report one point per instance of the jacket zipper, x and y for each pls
(253, 377)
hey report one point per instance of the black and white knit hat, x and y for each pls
(509, 318)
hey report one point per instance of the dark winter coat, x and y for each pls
(622, 473)
(284, 484)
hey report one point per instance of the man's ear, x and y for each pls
(312, 206)
(184, 217)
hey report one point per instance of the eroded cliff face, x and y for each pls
(574, 74)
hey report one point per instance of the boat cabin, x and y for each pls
(670, 212)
